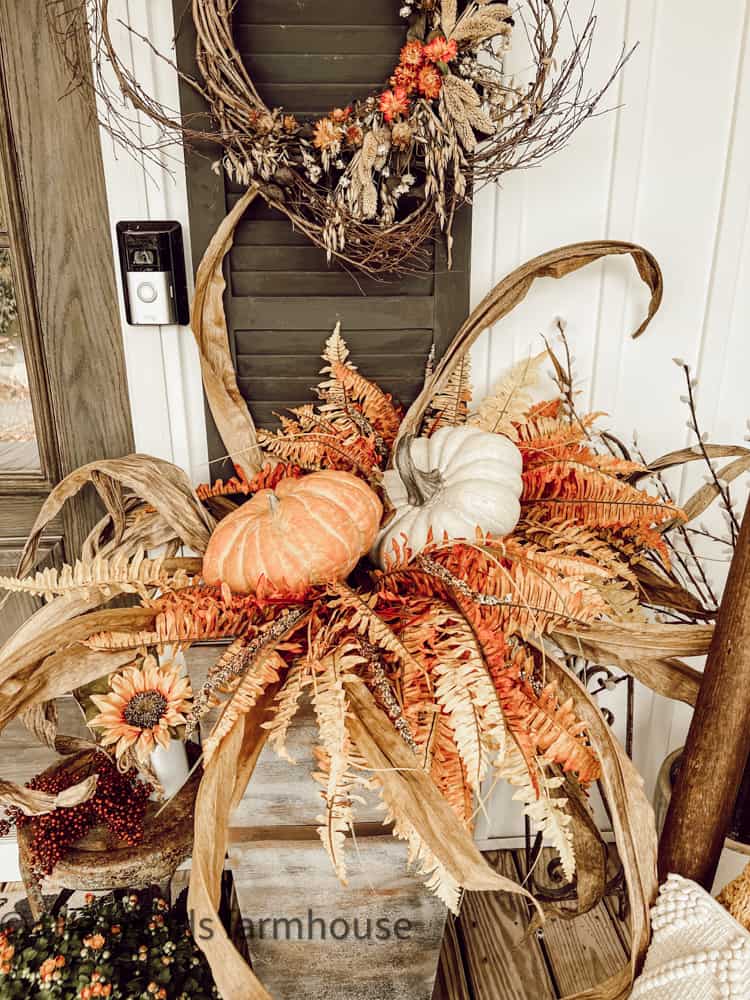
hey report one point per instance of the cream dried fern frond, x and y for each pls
(264, 671)
(450, 406)
(464, 689)
(120, 573)
(368, 623)
(509, 399)
(286, 705)
(335, 752)
(546, 812)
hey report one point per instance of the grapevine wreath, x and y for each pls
(373, 179)
(431, 581)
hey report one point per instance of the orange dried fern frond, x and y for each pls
(268, 478)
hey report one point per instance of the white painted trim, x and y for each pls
(166, 394)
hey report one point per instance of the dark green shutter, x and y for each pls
(283, 298)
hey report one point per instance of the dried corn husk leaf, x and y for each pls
(705, 496)
(667, 676)
(223, 784)
(209, 325)
(163, 485)
(53, 663)
(41, 722)
(419, 801)
(660, 590)
(642, 639)
(513, 289)
(693, 454)
(35, 803)
(633, 825)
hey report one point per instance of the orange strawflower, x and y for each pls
(406, 77)
(340, 115)
(441, 50)
(394, 103)
(143, 705)
(412, 54)
(326, 134)
(430, 82)
(354, 135)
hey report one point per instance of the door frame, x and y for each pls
(65, 272)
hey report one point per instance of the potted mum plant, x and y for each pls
(131, 948)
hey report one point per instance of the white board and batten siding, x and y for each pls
(669, 169)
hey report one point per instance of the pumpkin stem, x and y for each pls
(421, 487)
(273, 502)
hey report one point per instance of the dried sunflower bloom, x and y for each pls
(430, 82)
(401, 135)
(412, 54)
(394, 103)
(143, 705)
(326, 134)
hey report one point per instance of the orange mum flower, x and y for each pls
(394, 103)
(412, 54)
(326, 134)
(143, 705)
(46, 969)
(339, 115)
(430, 82)
(441, 50)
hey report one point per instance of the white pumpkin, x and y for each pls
(458, 480)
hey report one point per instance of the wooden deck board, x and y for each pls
(451, 982)
(581, 952)
(492, 926)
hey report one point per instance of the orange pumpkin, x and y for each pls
(307, 531)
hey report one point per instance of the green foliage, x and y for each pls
(134, 948)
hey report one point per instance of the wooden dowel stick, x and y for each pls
(718, 742)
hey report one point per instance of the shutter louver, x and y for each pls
(283, 297)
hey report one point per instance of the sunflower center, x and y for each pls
(145, 709)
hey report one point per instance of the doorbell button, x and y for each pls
(146, 292)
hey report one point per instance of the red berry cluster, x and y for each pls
(119, 803)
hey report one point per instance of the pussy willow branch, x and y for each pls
(722, 488)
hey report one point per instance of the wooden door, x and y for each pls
(283, 298)
(63, 389)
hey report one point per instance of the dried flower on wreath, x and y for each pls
(369, 181)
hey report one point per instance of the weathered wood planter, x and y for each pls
(307, 935)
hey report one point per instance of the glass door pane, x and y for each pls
(18, 444)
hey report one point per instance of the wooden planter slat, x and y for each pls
(275, 879)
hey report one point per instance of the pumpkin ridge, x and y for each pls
(330, 529)
(357, 494)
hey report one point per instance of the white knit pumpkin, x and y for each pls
(458, 480)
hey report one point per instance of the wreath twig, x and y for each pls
(370, 182)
